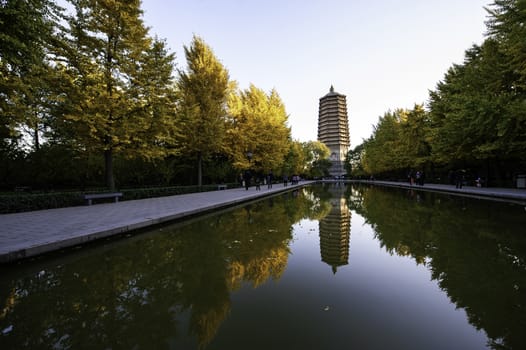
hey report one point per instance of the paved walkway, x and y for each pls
(28, 234)
(507, 194)
(32, 233)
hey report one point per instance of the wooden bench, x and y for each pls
(91, 196)
(221, 187)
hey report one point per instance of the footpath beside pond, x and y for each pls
(495, 193)
(28, 234)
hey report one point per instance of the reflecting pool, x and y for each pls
(325, 267)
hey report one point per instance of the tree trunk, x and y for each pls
(36, 138)
(199, 169)
(108, 163)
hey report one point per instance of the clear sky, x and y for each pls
(381, 54)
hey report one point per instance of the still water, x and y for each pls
(325, 267)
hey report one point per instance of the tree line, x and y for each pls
(90, 98)
(474, 120)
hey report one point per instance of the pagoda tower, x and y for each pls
(333, 129)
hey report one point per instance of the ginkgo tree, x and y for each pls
(257, 135)
(203, 89)
(118, 87)
(27, 31)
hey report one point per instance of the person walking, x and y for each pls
(459, 179)
(246, 177)
(410, 177)
(420, 178)
(258, 182)
(270, 179)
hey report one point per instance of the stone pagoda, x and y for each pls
(333, 129)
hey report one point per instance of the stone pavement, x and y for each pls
(28, 234)
(32, 233)
(506, 194)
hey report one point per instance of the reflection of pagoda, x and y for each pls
(335, 232)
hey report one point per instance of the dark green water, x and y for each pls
(328, 267)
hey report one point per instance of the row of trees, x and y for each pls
(89, 84)
(475, 118)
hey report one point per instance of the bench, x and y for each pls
(90, 197)
(221, 187)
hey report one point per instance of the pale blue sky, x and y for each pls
(382, 54)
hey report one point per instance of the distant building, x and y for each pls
(333, 129)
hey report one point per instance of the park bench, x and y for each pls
(91, 196)
(221, 187)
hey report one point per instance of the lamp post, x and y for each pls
(248, 175)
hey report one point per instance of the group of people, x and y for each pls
(247, 177)
(295, 179)
(416, 178)
(458, 178)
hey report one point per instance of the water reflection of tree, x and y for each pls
(154, 290)
(320, 200)
(477, 260)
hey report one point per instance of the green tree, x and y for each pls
(294, 162)
(476, 114)
(353, 161)
(383, 151)
(415, 149)
(257, 125)
(27, 29)
(506, 25)
(116, 97)
(400, 142)
(316, 159)
(204, 89)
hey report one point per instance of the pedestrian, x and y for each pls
(459, 179)
(285, 180)
(258, 183)
(420, 178)
(246, 178)
(451, 177)
(270, 179)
